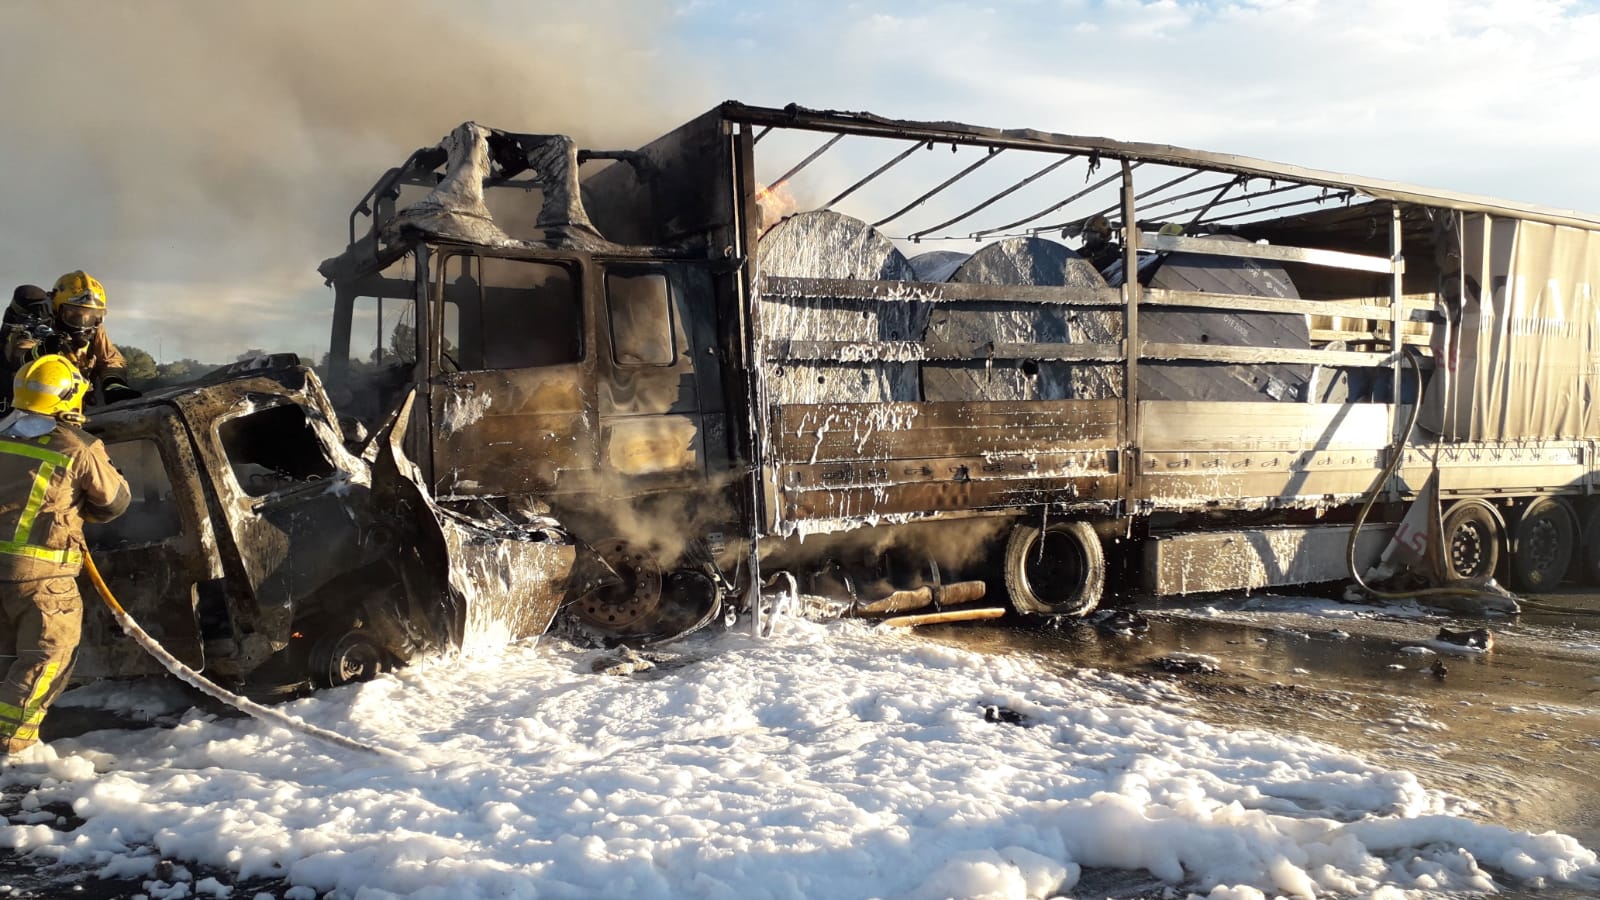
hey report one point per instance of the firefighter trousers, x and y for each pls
(41, 622)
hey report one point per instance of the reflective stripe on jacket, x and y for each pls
(45, 482)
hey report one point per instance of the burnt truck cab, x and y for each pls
(565, 375)
(256, 548)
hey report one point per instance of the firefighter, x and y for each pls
(75, 330)
(1100, 246)
(53, 477)
(28, 315)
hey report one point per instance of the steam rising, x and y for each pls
(223, 145)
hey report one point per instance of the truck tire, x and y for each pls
(1589, 540)
(1542, 544)
(345, 657)
(1057, 571)
(1471, 542)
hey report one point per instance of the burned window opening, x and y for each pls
(639, 307)
(153, 514)
(509, 314)
(273, 449)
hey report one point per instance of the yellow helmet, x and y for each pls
(79, 302)
(50, 386)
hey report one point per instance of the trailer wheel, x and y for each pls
(1589, 561)
(1542, 543)
(1057, 571)
(1471, 542)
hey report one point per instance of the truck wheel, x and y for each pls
(1589, 562)
(1542, 543)
(1059, 571)
(345, 657)
(1471, 542)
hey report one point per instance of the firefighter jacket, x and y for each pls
(98, 359)
(49, 483)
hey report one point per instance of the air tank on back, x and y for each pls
(1021, 261)
(826, 244)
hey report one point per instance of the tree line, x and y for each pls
(145, 374)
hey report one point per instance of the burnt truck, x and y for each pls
(721, 357)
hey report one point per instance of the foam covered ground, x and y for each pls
(827, 761)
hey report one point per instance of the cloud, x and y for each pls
(1488, 96)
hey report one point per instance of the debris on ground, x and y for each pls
(625, 661)
(1120, 621)
(1480, 639)
(1005, 716)
(1185, 664)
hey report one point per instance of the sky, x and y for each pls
(832, 761)
(201, 159)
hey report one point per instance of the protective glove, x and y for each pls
(116, 390)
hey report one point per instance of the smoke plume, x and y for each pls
(193, 154)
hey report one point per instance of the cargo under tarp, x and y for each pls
(1526, 340)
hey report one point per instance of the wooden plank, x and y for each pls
(778, 289)
(1207, 300)
(940, 618)
(1333, 258)
(805, 433)
(1381, 336)
(1248, 355)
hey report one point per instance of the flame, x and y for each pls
(775, 203)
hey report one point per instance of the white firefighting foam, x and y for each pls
(826, 761)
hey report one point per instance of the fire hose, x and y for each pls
(210, 688)
(1461, 589)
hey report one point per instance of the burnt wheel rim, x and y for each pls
(634, 600)
(1469, 549)
(1056, 568)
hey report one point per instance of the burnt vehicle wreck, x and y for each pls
(261, 549)
(712, 360)
(638, 387)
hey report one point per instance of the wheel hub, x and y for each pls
(636, 595)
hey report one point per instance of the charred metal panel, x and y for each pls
(1196, 480)
(955, 485)
(677, 186)
(511, 431)
(295, 501)
(908, 431)
(1260, 557)
(512, 580)
(472, 582)
(152, 572)
(843, 461)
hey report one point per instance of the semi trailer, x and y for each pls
(913, 363)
